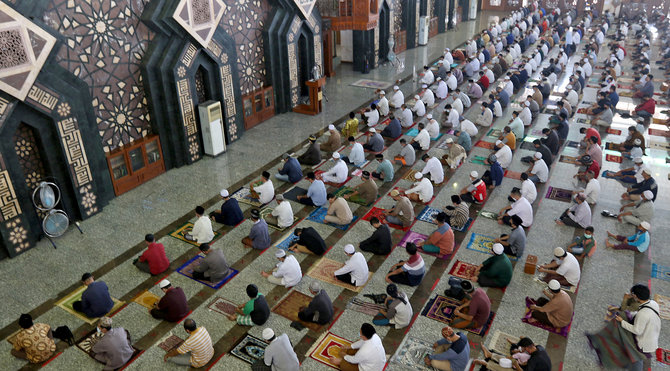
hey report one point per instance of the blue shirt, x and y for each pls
(614, 98)
(393, 129)
(639, 240)
(386, 168)
(376, 143)
(95, 300)
(292, 169)
(515, 81)
(496, 173)
(487, 55)
(503, 98)
(260, 235)
(510, 38)
(465, 141)
(317, 192)
(458, 353)
(522, 76)
(231, 214)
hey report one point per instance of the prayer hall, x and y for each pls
(367, 185)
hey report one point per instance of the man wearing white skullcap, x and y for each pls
(422, 190)
(419, 107)
(398, 98)
(427, 96)
(525, 115)
(538, 172)
(334, 140)
(173, 305)
(564, 268)
(382, 104)
(503, 154)
(278, 355)
(475, 191)
(375, 142)
(338, 173)
(455, 155)
(638, 242)
(442, 88)
(355, 270)
(555, 311)
(578, 215)
(286, 273)
(495, 271)
(637, 211)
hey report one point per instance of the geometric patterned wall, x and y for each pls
(28, 152)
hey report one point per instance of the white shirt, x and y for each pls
(528, 190)
(433, 129)
(573, 98)
(428, 77)
(452, 82)
(646, 326)
(266, 192)
(448, 59)
(636, 152)
(475, 65)
(509, 88)
(504, 155)
(465, 99)
(526, 116)
(357, 267)
(373, 117)
(457, 105)
(452, 118)
(383, 106)
(497, 109)
(552, 78)
(202, 230)
(538, 59)
(419, 108)
(587, 69)
(406, 118)
(398, 99)
(423, 138)
(540, 169)
(469, 127)
(489, 75)
(481, 58)
(289, 271)
(403, 313)
(617, 70)
(486, 118)
(371, 355)
(284, 214)
(428, 97)
(423, 188)
(592, 191)
(434, 167)
(524, 210)
(442, 90)
(357, 154)
(337, 174)
(569, 269)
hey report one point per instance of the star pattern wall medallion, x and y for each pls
(24, 47)
(200, 18)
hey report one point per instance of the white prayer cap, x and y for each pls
(438, 79)
(429, 116)
(417, 97)
(637, 141)
(349, 248)
(224, 193)
(474, 174)
(447, 49)
(507, 78)
(569, 87)
(527, 103)
(268, 334)
(449, 140)
(336, 155)
(163, 284)
(372, 130)
(648, 194)
(645, 225)
(559, 252)
(638, 160)
(645, 170)
(280, 253)
(382, 92)
(498, 142)
(554, 285)
(538, 155)
(418, 175)
(331, 127)
(498, 248)
(505, 363)
(586, 59)
(396, 87)
(424, 86)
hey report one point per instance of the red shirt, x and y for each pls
(595, 166)
(591, 132)
(155, 256)
(649, 106)
(484, 81)
(480, 307)
(479, 193)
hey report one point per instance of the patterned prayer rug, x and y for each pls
(187, 270)
(663, 146)
(612, 146)
(412, 237)
(147, 299)
(662, 133)
(66, 304)
(614, 346)
(572, 144)
(412, 352)
(488, 214)
(559, 194)
(441, 308)
(268, 211)
(290, 306)
(342, 191)
(324, 270)
(660, 271)
(319, 215)
(329, 346)
(528, 145)
(379, 213)
(463, 270)
(540, 278)
(513, 174)
(614, 158)
(484, 144)
(663, 355)
(484, 244)
(410, 175)
(243, 195)
(428, 214)
(287, 241)
(465, 227)
(170, 342)
(500, 344)
(293, 193)
(477, 160)
(249, 349)
(372, 84)
(569, 159)
(494, 133)
(614, 131)
(664, 306)
(563, 331)
(222, 306)
(365, 307)
(186, 228)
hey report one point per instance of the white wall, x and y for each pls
(347, 46)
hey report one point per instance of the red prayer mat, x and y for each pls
(463, 270)
(379, 213)
(513, 174)
(614, 158)
(663, 355)
(613, 131)
(659, 132)
(484, 144)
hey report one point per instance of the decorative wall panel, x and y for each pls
(28, 153)
(200, 18)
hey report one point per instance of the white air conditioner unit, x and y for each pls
(211, 127)
(423, 30)
(473, 9)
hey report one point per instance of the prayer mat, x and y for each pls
(484, 244)
(664, 306)
(628, 94)
(663, 355)
(410, 175)
(500, 344)
(319, 215)
(572, 144)
(372, 84)
(342, 191)
(539, 278)
(187, 270)
(463, 270)
(661, 272)
(488, 214)
(324, 270)
(626, 87)
(358, 172)
(442, 145)
(483, 329)
(268, 211)
(412, 132)
(412, 237)
(478, 160)
(528, 146)
(368, 151)
(250, 349)
(243, 195)
(658, 120)
(614, 131)
(222, 306)
(287, 241)
(290, 306)
(563, 331)
(559, 194)
(329, 346)
(293, 193)
(582, 121)
(87, 343)
(512, 174)
(170, 342)
(615, 346)
(663, 146)
(569, 159)
(441, 308)
(659, 132)
(186, 228)
(319, 172)
(428, 214)
(465, 227)
(484, 144)
(379, 213)
(581, 110)
(412, 352)
(614, 158)
(494, 133)
(365, 307)
(66, 304)
(147, 299)
(611, 146)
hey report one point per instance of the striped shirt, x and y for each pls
(200, 346)
(459, 215)
(415, 265)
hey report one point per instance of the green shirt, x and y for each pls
(588, 246)
(387, 169)
(249, 306)
(498, 268)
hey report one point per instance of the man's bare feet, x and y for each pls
(611, 235)
(232, 317)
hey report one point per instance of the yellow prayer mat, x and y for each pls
(66, 304)
(147, 299)
(186, 228)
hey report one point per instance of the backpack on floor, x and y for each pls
(63, 333)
